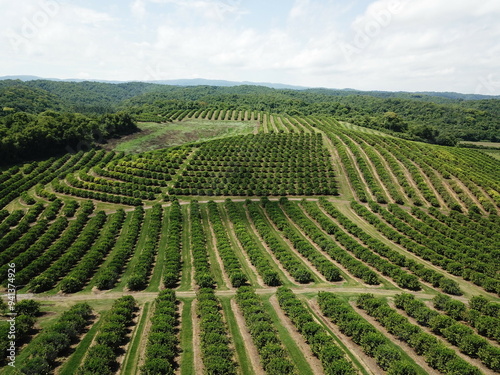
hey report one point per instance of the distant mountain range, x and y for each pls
(173, 82)
(280, 86)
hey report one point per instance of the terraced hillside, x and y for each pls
(309, 247)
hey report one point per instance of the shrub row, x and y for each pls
(317, 259)
(231, 263)
(108, 276)
(112, 335)
(34, 251)
(435, 352)
(24, 322)
(395, 257)
(114, 190)
(79, 275)
(373, 342)
(368, 176)
(436, 279)
(484, 261)
(70, 208)
(217, 355)
(273, 356)
(42, 193)
(174, 246)
(43, 261)
(111, 173)
(254, 252)
(54, 341)
(73, 254)
(455, 333)
(285, 256)
(456, 263)
(486, 325)
(23, 243)
(353, 266)
(322, 344)
(201, 264)
(140, 275)
(162, 345)
(61, 187)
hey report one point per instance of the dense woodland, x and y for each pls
(43, 118)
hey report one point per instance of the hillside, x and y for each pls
(304, 244)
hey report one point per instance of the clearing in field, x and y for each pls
(154, 135)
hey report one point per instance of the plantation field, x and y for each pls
(287, 245)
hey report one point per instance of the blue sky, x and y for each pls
(410, 45)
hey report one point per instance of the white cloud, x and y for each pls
(387, 44)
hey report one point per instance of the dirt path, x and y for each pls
(250, 347)
(197, 358)
(408, 350)
(312, 360)
(354, 163)
(368, 363)
(473, 361)
(344, 184)
(224, 275)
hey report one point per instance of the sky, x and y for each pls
(394, 45)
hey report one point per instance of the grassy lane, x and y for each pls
(187, 263)
(215, 266)
(135, 257)
(131, 361)
(237, 338)
(75, 359)
(156, 281)
(186, 338)
(121, 238)
(295, 353)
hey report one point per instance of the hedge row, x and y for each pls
(43, 261)
(248, 243)
(34, 251)
(317, 259)
(216, 352)
(78, 277)
(54, 341)
(108, 276)
(112, 335)
(273, 356)
(436, 353)
(436, 279)
(322, 344)
(162, 345)
(49, 278)
(174, 246)
(140, 276)
(395, 257)
(285, 256)
(231, 263)
(455, 333)
(201, 264)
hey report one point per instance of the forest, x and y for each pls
(45, 118)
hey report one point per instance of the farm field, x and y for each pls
(247, 242)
